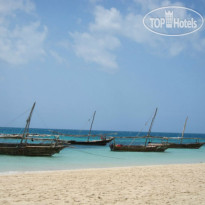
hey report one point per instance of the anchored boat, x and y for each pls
(147, 147)
(28, 148)
(102, 142)
(182, 145)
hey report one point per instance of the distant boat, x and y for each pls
(147, 147)
(29, 149)
(102, 142)
(182, 145)
(137, 148)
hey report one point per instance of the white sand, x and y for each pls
(165, 184)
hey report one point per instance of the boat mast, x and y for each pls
(26, 129)
(184, 130)
(91, 125)
(150, 128)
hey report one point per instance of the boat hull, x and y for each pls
(29, 150)
(137, 148)
(185, 146)
(94, 142)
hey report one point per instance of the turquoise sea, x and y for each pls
(82, 157)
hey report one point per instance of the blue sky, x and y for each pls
(74, 57)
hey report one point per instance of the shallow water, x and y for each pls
(80, 157)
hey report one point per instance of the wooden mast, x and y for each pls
(184, 130)
(150, 128)
(26, 129)
(91, 125)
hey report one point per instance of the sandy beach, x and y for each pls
(162, 184)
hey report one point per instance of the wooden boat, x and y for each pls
(138, 148)
(182, 145)
(29, 149)
(196, 145)
(102, 142)
(147, 147)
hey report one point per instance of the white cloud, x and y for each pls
(8, 7)
(106, 20)
(19, 43)
(109, 26)
(102, 39)
(113, 22)
(94, 48)
(97, 45)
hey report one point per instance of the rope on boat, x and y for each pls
(41, 119)
(20, 115)
(77, 149)
(139, 131)
(148, 134)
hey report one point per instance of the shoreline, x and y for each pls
(8, 173)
